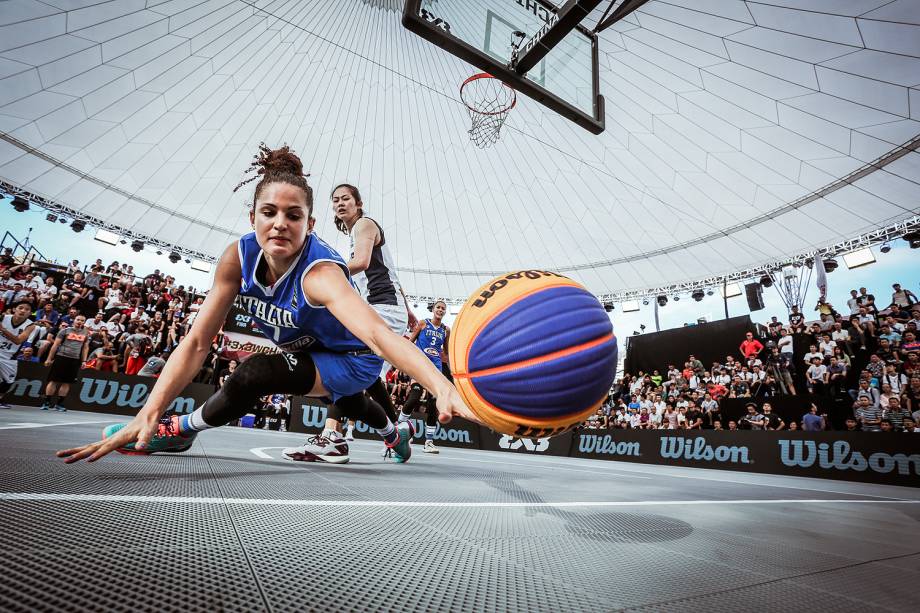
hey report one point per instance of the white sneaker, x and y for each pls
(319, 449)
(350, 434)
(430, 448)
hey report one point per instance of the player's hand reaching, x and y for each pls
(139, 431)
(451, 405)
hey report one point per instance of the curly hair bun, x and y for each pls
(278, 161)
(277, 165)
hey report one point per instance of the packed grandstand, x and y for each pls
(861, 362)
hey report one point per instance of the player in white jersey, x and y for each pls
(372, 269)
(14, 330)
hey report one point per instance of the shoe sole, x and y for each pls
(431, 451)
(309, 457)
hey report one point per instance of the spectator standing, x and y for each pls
(752, 420)
(67, 354)
(138, 348)
(853, 302)
(904, 298)
(811, 421)
(771, 420)
(750, 346)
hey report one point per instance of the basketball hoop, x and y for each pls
(488, 101)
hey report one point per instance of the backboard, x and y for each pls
(481, 32)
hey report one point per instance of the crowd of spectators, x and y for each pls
(864, 361)
(867, 357)
(134, 321)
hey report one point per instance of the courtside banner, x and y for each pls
(102, 392)
(855, 456)
(494, 441)
(308, 415)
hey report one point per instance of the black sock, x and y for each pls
(52, 402)
(415, 394)
(59, 400)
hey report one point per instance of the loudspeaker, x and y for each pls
(754, 292)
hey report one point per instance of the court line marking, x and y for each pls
(28, 424)
(258, 452)
(27, 496)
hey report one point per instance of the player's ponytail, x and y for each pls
(277, 166)
(354, 194)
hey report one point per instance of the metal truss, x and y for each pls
(89, 220)
(879, 236)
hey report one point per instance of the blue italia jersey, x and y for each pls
(282, 312)
(431, 340)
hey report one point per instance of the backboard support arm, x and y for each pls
(627, 7)
(568, 16)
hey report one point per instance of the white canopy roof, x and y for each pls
(723, 117)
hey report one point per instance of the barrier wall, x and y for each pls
(855, 456)
(872, 457)
(102, 392)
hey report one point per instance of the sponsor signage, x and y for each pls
(556, 445)
(102, 392)
(856, 456)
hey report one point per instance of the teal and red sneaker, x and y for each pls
(169, 438)
(401, 450)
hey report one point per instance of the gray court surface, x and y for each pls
(230, 526)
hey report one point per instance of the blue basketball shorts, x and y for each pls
(345, 374)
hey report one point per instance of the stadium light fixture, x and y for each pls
(885, 248)
(174, 257)
(201, 266)
(662, 300)
(697, 295)
(913, 239)
(137, 246)
(731, 290)
(631, 306)
(20, 204)
(77, 225)
(608, 306)
(860, 257)
(104, 236)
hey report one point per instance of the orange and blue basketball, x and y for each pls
(533, 353)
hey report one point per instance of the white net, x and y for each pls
(488, 101)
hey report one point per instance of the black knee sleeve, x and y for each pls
(258, 376)
(431, 411)
(359, 406)
(412, 400)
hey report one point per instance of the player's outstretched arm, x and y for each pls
(181, 367)
(325, 284)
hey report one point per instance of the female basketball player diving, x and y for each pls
(298, 291)
(430, 336)
(374, 274)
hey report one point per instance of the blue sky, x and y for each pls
(902, 264)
